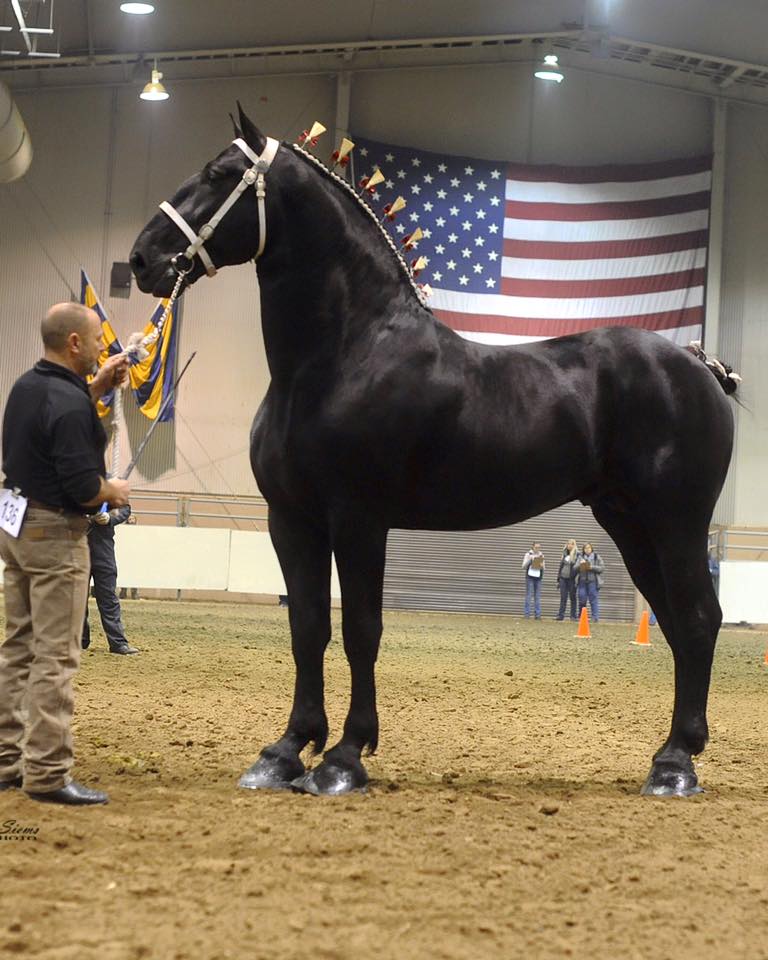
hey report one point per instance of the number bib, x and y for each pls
(12, 509)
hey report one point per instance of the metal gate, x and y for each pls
(481, 571)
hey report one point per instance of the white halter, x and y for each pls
(252, 176)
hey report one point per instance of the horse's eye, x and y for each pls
(214, 173)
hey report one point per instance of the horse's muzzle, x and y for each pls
(155, 278)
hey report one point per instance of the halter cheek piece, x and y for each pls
(253, 176)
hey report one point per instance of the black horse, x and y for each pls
(379, 416)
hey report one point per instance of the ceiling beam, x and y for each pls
(693, 71)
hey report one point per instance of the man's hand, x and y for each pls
(118, 492)
(114, 492)
(112, 374)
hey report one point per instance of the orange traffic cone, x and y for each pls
(642, 637)
(765, 658)
(583, 630)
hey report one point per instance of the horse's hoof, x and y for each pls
(330, 780)
(664, 781)
(271, 773)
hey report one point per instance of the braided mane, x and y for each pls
(420, 295)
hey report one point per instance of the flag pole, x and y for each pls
(164, 406)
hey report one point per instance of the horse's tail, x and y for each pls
(724, 374)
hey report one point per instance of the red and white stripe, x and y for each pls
(591, 247)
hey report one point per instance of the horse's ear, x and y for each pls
(250, 132)
(236, 127)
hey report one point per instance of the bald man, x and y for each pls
(53, 460)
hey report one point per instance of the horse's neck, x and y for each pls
(328, 275)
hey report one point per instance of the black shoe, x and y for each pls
(122, 647)
(10, 784)
(73, 795)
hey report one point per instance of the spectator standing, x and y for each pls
(53, 455)
(590, 569)
(566, 579)
(101, 545)
(132, 593)
(533, 566)
(714, 569)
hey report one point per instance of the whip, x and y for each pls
(163, 407)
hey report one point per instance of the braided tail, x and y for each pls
(724, 374)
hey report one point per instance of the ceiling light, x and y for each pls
(549, 69)
(154, 90)
(137, 8)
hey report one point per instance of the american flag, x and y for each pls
(518, 252)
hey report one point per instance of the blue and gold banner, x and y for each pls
(112, 345)
(152, 378)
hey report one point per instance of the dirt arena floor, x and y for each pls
(503, 819)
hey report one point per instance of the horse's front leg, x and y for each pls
(360, 551)
(304, 552)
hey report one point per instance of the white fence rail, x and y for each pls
(190, 542)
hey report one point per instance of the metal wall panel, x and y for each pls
(481, 571)
(744, 313)
(730, 348)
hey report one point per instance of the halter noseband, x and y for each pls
(253, 176)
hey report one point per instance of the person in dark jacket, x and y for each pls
(101, 544)
(590, 569)
(566, 579)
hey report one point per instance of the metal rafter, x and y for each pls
(89, 29)
(722, 70)
(29, 33)
(590, 49)
(19, 14)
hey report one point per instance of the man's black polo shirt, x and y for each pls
(53, 441)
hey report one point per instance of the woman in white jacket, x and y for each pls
(533, 565)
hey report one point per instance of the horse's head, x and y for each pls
(185, 236)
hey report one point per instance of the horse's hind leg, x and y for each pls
(668, 563)
(304, 552)
(694, 621)
(360, 550)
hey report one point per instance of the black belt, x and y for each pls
(51, 533)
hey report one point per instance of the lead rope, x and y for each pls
(117, 419)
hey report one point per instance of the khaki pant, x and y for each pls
(46, 591)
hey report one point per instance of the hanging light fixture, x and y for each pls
(140, 9)
(549, 69)
(154, 90)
